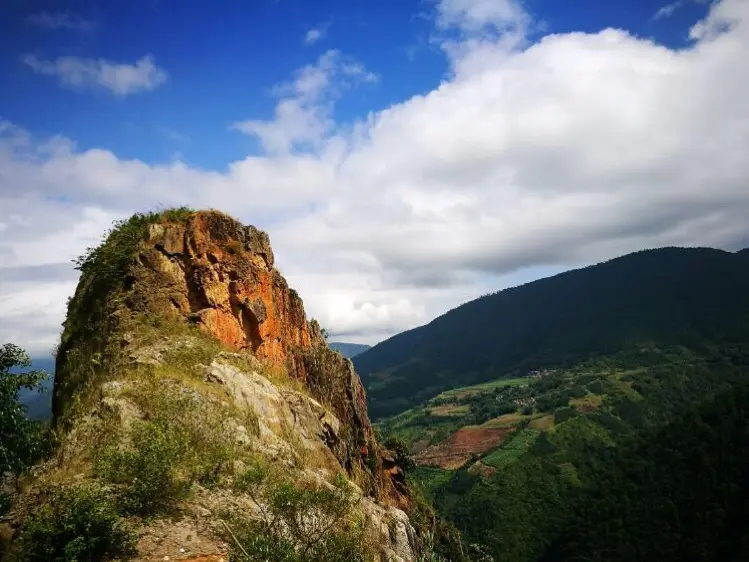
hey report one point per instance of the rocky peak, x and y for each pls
(189, 384)
(218, 274)
(207, 269)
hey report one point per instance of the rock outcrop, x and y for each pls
(210, 270)
(220, 275)
(190, 304)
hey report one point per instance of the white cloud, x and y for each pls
(668, 10)
(317, 33)
(121, 79)
(578, 148)
(62, 20)
(303, 115)
(478, 16)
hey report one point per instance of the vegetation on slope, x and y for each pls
(86, 353)
(603, 458)
(697, 298)
(676, 493)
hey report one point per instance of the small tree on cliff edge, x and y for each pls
(323, 331)
(20, 438)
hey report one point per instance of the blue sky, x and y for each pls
(404, 156)
(223, 62)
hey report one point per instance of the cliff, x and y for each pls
(211, 271)
(186, 363)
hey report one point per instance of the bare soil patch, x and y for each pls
(462, 445)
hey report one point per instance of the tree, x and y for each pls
(400, 450)
(20, 438)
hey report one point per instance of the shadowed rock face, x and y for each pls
(210, 270)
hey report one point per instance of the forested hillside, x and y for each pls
(595, 462)
(697, 298)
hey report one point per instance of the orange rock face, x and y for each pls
(221, 274)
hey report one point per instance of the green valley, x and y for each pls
(513, 462)
(584, 416)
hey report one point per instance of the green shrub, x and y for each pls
(186, 439)
(21, 440)
(564, 414)
(5, 503)
(75, 524)
(400, 450)
(296, 523)
(147, 471)
(109, 261)
(612, 423)
(596, 387)
(577, 392)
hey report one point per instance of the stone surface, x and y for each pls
(281, 412)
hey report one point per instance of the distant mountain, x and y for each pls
(349, 349)
(39, 404)
(692, 297)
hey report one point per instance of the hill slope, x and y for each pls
(693, 297)
(545, 465)
(348, 350)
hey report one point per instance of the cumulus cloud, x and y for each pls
(121, 79)
(304, 113)
(62, 20)
(529, 159)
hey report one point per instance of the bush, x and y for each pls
(77, 523)
(552, 401)
(5, 502)
(147, 471)
(21, 440)
(577, 392)
(186, 439)
(596, 387)
(400, 450)
(564, 414)
(297, 524)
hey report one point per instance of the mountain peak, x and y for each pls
(184, 345)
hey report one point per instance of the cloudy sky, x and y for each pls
(404, 155)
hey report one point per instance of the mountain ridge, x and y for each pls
(349, 350)
(561, 319)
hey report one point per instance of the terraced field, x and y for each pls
(512, 449)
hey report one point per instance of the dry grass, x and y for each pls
(505, 420)
(589, 403)
(450, 410)
(542, 422)
(279, 375)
